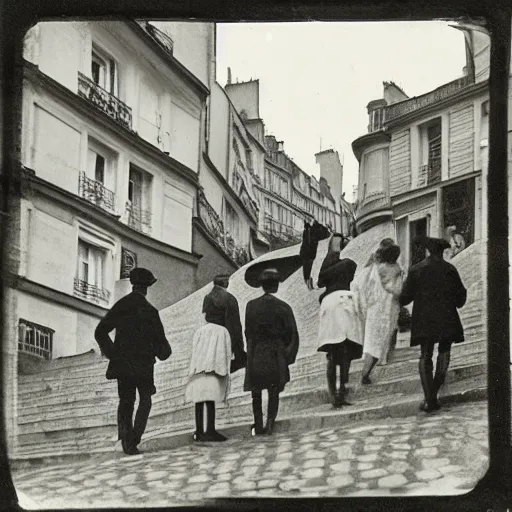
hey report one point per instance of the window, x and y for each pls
(104, 71)
(90, 274)
(231, 221)
(459, 209)
(431, 145)
(284, 188)
(374, 167)
(35, 339)
(268, 207)
(139, 193)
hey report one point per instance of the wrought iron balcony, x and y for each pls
(407, 106)
(138, 218)
(90, 291)
(280, 230)
(430, 173)
(215, 227)
(95, 192)
(104, 101)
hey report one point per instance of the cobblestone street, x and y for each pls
(445, 453)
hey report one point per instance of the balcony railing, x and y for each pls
(35, 339)
(138, 218)
(280, 230)
(90, 291)
(215, 227)
(430, 173)
(445, 91)
(104, 101)
(96, 193)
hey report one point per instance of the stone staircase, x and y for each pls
(70, 408)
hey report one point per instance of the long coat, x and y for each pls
(272, 343)
(140, 337)
(221, 308)
(437, 291)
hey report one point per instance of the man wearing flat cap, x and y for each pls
(272, 345)
(140, 337)
(435, 287)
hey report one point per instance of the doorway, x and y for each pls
(417, 228)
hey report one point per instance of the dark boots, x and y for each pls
(199, 433)
(273, 407)
(211, 434)
(257, 429)
(427, 382)
(369, 363)
(337, 396)
(443, 362)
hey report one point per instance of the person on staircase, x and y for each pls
(213, 347)
(339, 333)
(436, 290)
(377, 290)
(272, 346)
(139, 338)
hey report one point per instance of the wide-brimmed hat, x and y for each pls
(285, 267)
(142, 276)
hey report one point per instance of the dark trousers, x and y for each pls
(131, 432)
(273, 407)
(432, 383)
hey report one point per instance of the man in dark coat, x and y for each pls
(272, 345)
(221, 308)
(309, 246)
(437, 291)
(140, 337)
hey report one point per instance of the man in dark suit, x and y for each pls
(435, 287)
(272, 345)
(140, 337)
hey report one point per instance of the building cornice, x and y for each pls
(34, 289)
(96, 116)
(173, 63)
(369, 139)
(430, 189)
(467, 92)
(227, 187)
(108, 221)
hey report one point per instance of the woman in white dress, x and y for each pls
(213, 346)
(339, 333)
(377, 290)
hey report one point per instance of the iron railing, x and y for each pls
(280, 229)
(215, 227)
(430, 98)
(35, 339)
(105, 101)
(138, 218)
(95, 192)
(430, 173)
(90, 291)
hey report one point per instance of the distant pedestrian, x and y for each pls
(139, 338)
(435, 288)
(456, 241)
(311, 236)
(272, 345)
(339, 333)
(377, 289)
(213, 347)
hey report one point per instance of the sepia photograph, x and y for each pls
(248, 260)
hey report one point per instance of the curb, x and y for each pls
(290, 424)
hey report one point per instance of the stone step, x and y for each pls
(80, 405)
(241, 404)
(299, 420)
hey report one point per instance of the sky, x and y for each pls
(316, 78)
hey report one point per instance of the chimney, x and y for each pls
(280, 146)
(229, 75)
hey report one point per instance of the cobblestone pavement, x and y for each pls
(442, 453)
